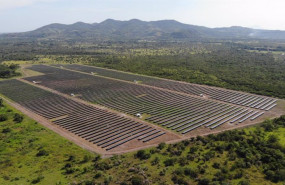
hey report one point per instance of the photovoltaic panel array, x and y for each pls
(229, 96)
(105, 129)
(175, 111)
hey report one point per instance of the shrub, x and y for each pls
(71, 158)
(6, 130)
(18, 118)
(273, 139)
(37, 180)
(67, 165)
(86, 158)
(137, 180)
(161, 146)
(98, 174)
(216, 165)
(3, 117)
(97, 158)
(192, 173)
(183, 161)
(42, 152)
(141, 154)
(204, 181)
(179, 180)
(169, 162)
(268, 125)
(69, 170)
(244, 182)
(155, 161)
(108, 179)
(209, 155)
(88, 182)
(103, 165)
(193, 149)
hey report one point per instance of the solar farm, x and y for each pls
(116, 112)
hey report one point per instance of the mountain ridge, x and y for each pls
(136, 29)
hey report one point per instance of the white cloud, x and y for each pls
(7, 4)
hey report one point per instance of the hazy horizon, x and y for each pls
(27, 15)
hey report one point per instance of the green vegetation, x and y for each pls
(31, 154)
(8, 71)
(224, 64)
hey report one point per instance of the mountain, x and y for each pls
(141, 30)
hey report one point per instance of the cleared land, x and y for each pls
(60, 96)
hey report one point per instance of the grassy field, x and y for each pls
(32, 154)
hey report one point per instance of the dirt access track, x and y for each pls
(133, 145)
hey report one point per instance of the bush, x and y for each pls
(193, 149)
(103, 165)
(42, 152)
(216, 165)
(71, 158)
(37, 180)
(244, 182)
(98, 174)
(18, 118)
(155, 161)
(3, 117)
(137, 180)
(69, 170)
(268, 125)
(141, 154)
(67, 165)
(209, 155)
(179, 180)
(273, 139)
(192, 173)
(88, 182)
(6, 130)
(86, 158)
(161, 146)
(169, 162)
(204, 181)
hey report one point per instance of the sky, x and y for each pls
(26, 15)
